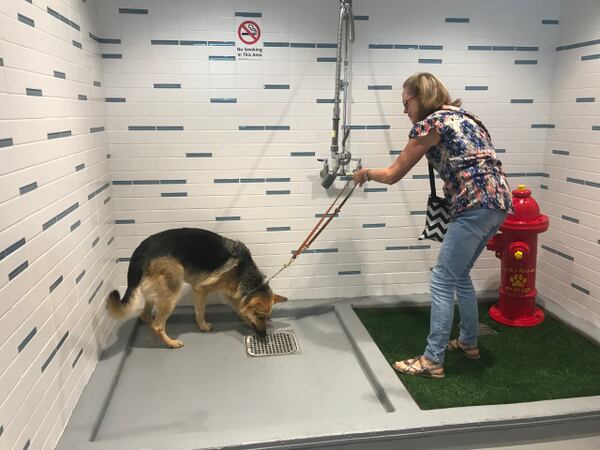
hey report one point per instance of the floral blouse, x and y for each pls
(466, 161)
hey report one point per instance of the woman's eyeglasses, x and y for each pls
(405, 102)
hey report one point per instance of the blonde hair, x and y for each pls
(431, 94)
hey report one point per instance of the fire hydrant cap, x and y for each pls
(526, 214)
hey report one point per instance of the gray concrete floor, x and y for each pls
(337, 392)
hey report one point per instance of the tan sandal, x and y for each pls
(470, 351)
(419, 366)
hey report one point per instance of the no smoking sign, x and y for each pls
(249, 39)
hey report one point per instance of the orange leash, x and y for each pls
(316, 231)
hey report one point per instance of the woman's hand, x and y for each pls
(360, 177)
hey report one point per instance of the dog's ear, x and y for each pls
(278, 298)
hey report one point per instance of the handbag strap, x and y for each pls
(431, 180)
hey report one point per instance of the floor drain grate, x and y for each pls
(281, 342)
(486, 330)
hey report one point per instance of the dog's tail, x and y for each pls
(121, 308)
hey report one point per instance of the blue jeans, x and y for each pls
(464, 241)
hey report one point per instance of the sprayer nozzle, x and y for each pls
(328, 180)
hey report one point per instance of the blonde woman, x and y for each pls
(459, 148)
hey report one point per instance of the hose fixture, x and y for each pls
(340, 159)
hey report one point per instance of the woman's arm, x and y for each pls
(412, 153)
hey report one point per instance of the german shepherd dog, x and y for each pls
(207, 261)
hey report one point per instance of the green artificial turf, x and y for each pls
(544, 362)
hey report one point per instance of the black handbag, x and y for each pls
(439, 214)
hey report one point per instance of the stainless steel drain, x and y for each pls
(280, 342)
(486, 330)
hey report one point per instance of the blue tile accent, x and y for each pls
(395, 152)
(277, 127)
(122, 182)
(6, 142)
(106, 200)
(80, 276)
(503, 48)
(169, 128)
(578, 45)
(226, 180)
(61, 75)
(381, 46)
(349, 272)
(278, 180)
(1, 62)
(26, 20)
(419, 247)
(28, 188)
(560, 152)
(173, 194)
(429, 61)
(590, 57)
(373, 225)
(580, 288)
(544, 187)
(476, 88)
(59, 134)
(96, 129)
(276, 44)
(361, 17)
(418, 213)
(252, 180)
(406, 46)
(227, 218)
(569, 218)
(12, 248)
(326, 45)
(199, 155)
(167, 85)
(575, 180)
(379, 87)
(95, 241)
(53, 354)
(97, 191)
(108, 40)
(81, 97)
(277, 86)
(500, 150)
(326, 100)
(141, 128)
(550, 21)
(33, 92)
(112, 56)
(515, 174)
(595, 127)
(145, 182)
(585, 99)
(195, 43)
(431, 47)
(175, 181)
(279, 228)
(357, 127)
(279, 192)
(56, 283)
(526, 61)
(52, 12)
(95, 292)
(221, 58)
(479, 47)
(115, 99)
(319, 215)
(542, 125)
(420, 177)
(378, 127)
(124, 221)
(223, 100)
(75, 225)
(110, 241)
(248, 14)
(77, 358)
(133, 11)
(302, 153)
(221, 43)
(25, 341)
(457, 20)
(325, 250)
(303, 45)
(556, 252)
(165, 42)
(527, 49)
(76, 44)
(327, 59)
(521, 100)
(18, 270)
(379, 189)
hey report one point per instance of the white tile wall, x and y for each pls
(571, 197)
(57, 250)
(180, 174)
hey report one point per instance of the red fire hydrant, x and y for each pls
(516, 247)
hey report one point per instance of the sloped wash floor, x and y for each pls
(337, 391)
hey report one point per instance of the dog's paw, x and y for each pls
(206, 327)
(175, 343)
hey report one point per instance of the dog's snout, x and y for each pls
(261, 333)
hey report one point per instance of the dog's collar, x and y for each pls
(251, 291)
